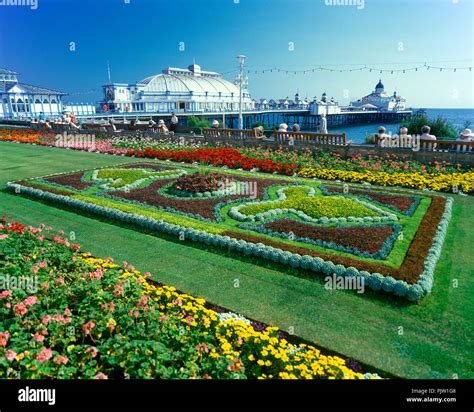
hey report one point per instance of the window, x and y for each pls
(45, 101)
(53, 101)
(37, 101)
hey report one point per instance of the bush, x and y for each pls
(196, 124)
(440, 127)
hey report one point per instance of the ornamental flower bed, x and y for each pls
(401, 261)
(452, 182)
(388, 170)
(89, 318)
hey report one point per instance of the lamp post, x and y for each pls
(241, 58)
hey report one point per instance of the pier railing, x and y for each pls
(320, 138)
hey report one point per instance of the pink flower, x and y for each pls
(44, 355)
(11, 355)
(30, 301)
(134, 313)
(34, 269)
(97, 274)
(46, 319)
(143, 301)
(42, 264)
(61, 360)
(4, 338)
(59, 281)
(3, 237)
(67, 312)
(5, 293)
(92, 350)
(20, 309)
(39, 338)
(87, 327)
(101, 375)
(58, 317)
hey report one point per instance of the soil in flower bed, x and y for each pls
(73, 180)
(363, 238)
(203, 207)
(401, 203)
(412, 266)
(56, 191)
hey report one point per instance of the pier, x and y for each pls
(270, 118)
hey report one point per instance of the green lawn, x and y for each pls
(429, 340)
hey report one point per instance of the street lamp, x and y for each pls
(241, 58)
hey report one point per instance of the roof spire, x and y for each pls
(108, 72)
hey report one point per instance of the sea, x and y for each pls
(358, 133)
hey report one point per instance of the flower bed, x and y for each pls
(405, 204)
(437, 182)
(367, 241)
(403, 265)
(388, 170)
(83, 317)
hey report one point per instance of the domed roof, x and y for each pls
(174, 83)
(379, 85)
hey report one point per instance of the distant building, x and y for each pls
(323, 106)
(282, 104)
(24, 101)
(176, 90)
(380, 100)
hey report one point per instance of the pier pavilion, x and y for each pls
(380, 100)
(21, 100)
(176, 90)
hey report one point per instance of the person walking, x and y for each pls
(174, 123)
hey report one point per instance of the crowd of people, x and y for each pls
(67, 120)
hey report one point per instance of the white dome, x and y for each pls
(172, 83)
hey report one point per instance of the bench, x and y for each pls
(320, 138)
(229, 133)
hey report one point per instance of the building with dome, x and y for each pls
(381, 100)
(324, 106)
(177, 90)
(24, 101)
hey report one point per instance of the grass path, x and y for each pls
(429, 340)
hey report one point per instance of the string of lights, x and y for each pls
(363, 68)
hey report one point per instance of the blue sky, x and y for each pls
(141, 37)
